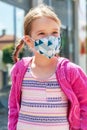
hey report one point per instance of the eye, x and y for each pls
(55, 32)
(41, 33)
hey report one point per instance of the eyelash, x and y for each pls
(42, 33)
(55, 32)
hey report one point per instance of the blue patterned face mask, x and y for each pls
(48, 46)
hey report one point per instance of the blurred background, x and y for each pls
(73, 15)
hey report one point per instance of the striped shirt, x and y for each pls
(43, 105)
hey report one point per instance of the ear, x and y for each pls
(28, 41)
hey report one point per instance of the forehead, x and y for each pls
(44, 23)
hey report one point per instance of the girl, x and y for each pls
(48, 92)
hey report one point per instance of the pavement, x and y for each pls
(3, 119)
(4, 93)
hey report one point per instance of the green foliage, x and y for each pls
(7, 54)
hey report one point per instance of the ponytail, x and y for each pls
(17, 50)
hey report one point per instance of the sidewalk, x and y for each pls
(4, 108)
(4, 93)
(3, 119)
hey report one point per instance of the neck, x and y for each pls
(43, 61)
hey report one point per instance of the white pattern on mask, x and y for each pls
(48, 46)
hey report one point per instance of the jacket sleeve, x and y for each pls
(12, 104)
(79, 85)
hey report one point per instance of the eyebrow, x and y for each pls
(40, 31)
(55, 29)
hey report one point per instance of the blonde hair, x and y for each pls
(33, 14)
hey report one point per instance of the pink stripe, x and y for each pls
(33, 78)
(28, 77)
(30, 88)
(44, 89)
(32, 99)
(42, 112)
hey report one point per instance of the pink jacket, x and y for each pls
(73, 82)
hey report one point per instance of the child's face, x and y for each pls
(43, 27)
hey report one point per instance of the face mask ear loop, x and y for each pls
(60, 41)
(23, 38)
(32, 39)
(60, 48)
